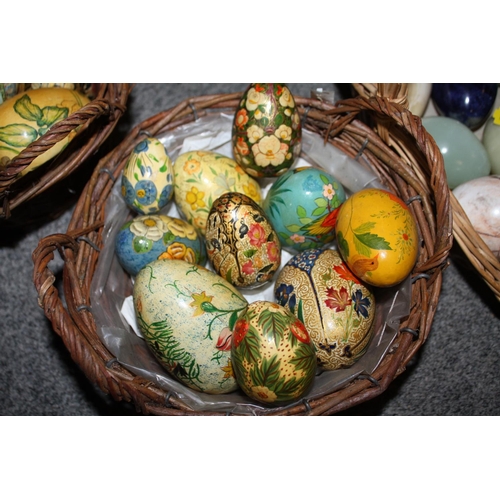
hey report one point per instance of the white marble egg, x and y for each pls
(480, 199)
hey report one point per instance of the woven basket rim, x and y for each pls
(339, 124)
(102, 113)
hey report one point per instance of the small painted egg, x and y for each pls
(469, 103)
(480, 200)
(27, 116)
(241, 243)
(491, 141)
(201, 177)
(335, 307)
(147, 178)
(150, 237)
(464, 155)
(8, 90)
(267, 133)
(186, 314)
(273, 357)
(302, 206)
(377, 237)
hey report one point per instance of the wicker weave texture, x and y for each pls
(414, 170)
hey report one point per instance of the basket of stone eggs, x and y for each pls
(255, 253)
(47, 131)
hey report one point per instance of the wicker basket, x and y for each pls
(418, 177)
(473, 246)
(93, 123)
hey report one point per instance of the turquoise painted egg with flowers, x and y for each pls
(148, 178)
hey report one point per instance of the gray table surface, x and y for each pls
(454, 373)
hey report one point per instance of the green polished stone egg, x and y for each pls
(465, 157)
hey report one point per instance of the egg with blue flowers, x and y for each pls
(148, 178)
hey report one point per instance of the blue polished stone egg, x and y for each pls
(469, 103)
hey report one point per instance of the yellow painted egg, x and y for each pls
(186, 314)
(241, 243)
(336, 308)
(200, 177)
(27, 116)
(266, 133)
(273, 357)
(147, 178)
(377, 237)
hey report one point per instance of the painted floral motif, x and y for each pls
(150, 237)
(147, 179)
(266, 130)
(310, 222)
(241, 243)
(340, 310)
(203, 176)
(272, 354)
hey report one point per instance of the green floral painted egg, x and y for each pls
(336, 308)
(273, 357)
(267, 133)
(186, 314)
(147, 179)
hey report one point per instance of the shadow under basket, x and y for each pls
(414, 171)
(21, 200)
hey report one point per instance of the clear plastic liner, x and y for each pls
(112, 287)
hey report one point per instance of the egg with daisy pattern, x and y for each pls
(147, 180)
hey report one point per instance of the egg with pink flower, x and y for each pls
(241, 243)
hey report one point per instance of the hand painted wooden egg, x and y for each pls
(186, 314)
(464, 155)
(273, 357)
(150, 237)
(201, 177)
(377, 237)
(147, 179)
(241, 242)
(27, 116)
(302, 206)
(266, 131)
(335, 307)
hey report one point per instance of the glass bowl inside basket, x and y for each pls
(112, 287)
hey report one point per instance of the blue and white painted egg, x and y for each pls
(148, 178)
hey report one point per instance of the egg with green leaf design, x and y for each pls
(273, 357)
(27, 116)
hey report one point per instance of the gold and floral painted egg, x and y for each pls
(273, 357)
(377, 237)
(186, 314)
(266, 133)
(201, 177)
(241, 243)
(27, 116)
(147, 178)
(335, 307)
(150, 237)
